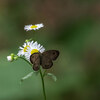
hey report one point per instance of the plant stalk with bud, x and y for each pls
(35, 55)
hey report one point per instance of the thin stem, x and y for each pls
(42, 77)
(43, 85)
(44, 73)
(26, 60)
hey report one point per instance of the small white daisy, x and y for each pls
(10, 58)
(34, 48)
(33, 27)
(23, 49)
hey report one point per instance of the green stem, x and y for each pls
(44, 73)
(26, 60)
(43, 85)
(42, 77)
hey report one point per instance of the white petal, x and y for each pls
(20, 48)
(9, 58)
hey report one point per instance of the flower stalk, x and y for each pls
(42, 78)
(35, 55)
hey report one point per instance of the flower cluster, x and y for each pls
(29, 47)
(12, 57)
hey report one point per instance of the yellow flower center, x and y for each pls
(33, 26)
(34, 51)
(25, 48)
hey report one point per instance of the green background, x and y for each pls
(70, 26)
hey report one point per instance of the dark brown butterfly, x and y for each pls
(44, 59)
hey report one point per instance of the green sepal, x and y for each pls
(28, 40)
(52, 76)
(27, 76)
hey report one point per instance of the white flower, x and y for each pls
(29, 48)
(34, 48)
(23, 49)
(9, 58)
(33, 27)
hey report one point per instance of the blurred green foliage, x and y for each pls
(72, 27)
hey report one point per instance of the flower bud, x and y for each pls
(28, 40)
(16, 57)
(10, 58)
(12, 55)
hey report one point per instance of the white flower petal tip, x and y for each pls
(9, 58)
(33, 27)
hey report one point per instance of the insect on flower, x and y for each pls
(44, 59)
(37, 55)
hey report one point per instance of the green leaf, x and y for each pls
(27, 76)
(52, 76)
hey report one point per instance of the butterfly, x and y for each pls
(44, 59)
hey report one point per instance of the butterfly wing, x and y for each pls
(51, 54)
(46, 63)
(47, 57)
(35, 60)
